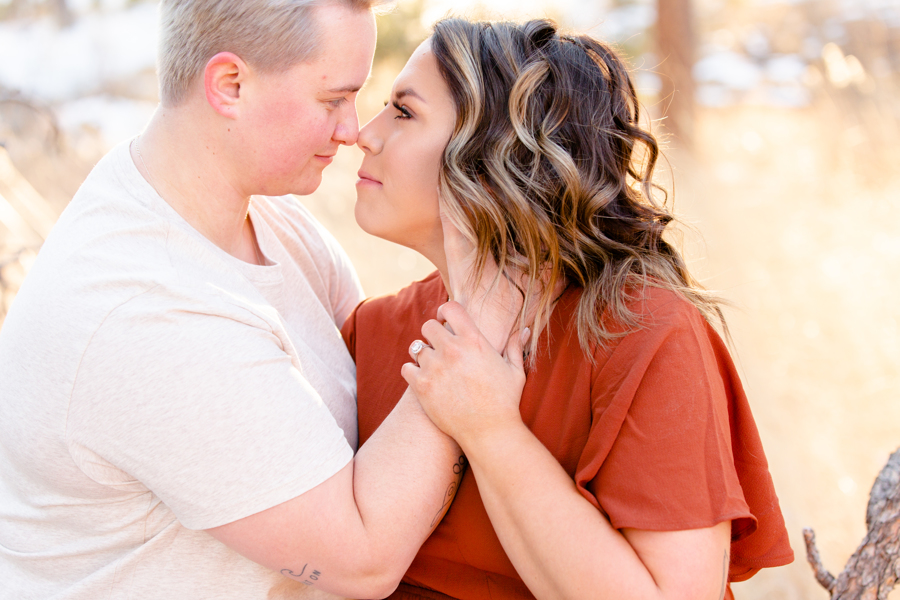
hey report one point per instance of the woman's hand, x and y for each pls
(464, 385)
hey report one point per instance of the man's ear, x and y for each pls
(222, 79)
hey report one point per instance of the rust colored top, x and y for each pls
(657, 434)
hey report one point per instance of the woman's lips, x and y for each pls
(366, 179)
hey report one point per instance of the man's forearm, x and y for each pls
(356, 533)
(405, 477)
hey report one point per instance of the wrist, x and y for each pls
(491, 439)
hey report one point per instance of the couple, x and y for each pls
(178, 413)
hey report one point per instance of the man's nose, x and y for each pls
(347, 130)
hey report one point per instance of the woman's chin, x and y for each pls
(369, 222)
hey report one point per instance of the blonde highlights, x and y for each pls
(271, 35)
(550, 173)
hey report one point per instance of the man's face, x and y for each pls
(297, 119)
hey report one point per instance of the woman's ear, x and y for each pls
(222, 79)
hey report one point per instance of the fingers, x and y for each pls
(415, 348)
(458, 320)
(435, 334)
(410, 373)
(515, 354)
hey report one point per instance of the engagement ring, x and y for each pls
(414, 350)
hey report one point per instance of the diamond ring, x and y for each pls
(414, 350)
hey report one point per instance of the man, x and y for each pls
(177, 410)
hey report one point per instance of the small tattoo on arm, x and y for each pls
(309, 580)
(459, 470)
(289, 573)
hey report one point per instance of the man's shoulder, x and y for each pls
(286, 214)
(298, 230)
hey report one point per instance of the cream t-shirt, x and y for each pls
(153, 386)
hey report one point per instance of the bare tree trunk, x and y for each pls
(873, 570)
(675, 43)
(61, 8)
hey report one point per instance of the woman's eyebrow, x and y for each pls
(408, 92)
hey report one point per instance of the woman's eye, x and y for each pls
(404, 113)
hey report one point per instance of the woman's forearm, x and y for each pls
(560, 544)
(562, 547)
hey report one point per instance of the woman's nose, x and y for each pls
(368, 140)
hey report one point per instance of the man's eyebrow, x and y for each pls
(409, 92)
(350, 88)
(347, 89)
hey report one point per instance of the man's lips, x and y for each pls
(366, 178)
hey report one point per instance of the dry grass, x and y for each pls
(802, 237)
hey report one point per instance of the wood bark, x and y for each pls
(675, 43)
(873, 570)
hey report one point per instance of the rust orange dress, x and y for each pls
(657, 434)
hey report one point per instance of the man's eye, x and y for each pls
(337, 103)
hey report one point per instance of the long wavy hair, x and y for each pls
(549, 172)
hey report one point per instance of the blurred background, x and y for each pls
(780, 120)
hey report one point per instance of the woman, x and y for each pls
(632, 467)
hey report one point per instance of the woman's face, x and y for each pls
(397, 197)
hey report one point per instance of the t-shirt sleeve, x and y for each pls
(207, 411)
(348, 331)
(345, 288)
(342, 288)
(659, 456)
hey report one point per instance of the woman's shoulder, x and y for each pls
(658, 313)
(660, 307)
(418, 298)
(397, 315)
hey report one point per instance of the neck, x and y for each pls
(434, 252)
(180, 156)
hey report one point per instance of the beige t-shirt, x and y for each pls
(153, 386)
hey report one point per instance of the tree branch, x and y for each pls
(873, 570)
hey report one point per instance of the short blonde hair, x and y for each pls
(271, 35)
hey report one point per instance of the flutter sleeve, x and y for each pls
(673, 445)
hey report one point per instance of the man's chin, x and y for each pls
(307, 186)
